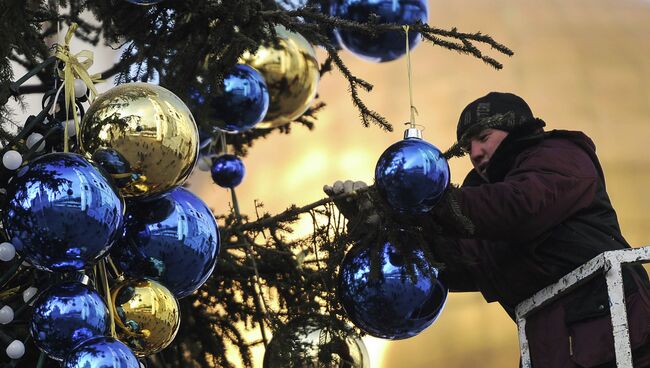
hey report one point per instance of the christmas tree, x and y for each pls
(263, 280)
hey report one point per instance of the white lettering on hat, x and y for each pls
(482, 110)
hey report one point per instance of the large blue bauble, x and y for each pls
(66, 315)
(228, 171)
(101, 352)
(62, 213)
(174, 240)
(412, 175)
(391, 305)
(386, 46)
(240, 104)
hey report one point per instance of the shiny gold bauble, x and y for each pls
(151, 129)
(290, 70)
(146, 315)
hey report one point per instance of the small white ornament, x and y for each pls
(29, 294)
(12, 160)
(32, 139)
(204, 163)
(6, 315)
(16, 349)
(80, 88)
(7, 252)
(72, 128)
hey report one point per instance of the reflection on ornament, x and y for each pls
(101, 352)
(291, 4)
(399, 301)
(385, 46)
(239, 104)
(291, 72)
(309, 342)
(66, 315)
(62, 214)
(173, 240)
(412, 175)
(151, 129)
(228, 171)
(146, 315)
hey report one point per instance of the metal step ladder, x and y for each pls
(607, 262)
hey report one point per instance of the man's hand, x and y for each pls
(358, 209)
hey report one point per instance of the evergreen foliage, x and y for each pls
(264, 277)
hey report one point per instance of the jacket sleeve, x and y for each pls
(546, 185)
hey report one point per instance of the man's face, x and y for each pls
(482, 147)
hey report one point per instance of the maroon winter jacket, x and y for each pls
(544, 212)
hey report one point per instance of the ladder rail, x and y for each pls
(610, 263)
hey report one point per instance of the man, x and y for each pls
(537, 208)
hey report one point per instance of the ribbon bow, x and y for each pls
(76, 67)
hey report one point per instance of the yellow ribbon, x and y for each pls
(76, 67)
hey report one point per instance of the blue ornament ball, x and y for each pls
(386, 46)
(412, 175)
(66, 315)
(101, 352)
(240, 104)
(393, 303)
(62, 214)
(228, 171)
(173, 240)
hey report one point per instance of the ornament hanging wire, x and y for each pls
(413, 110)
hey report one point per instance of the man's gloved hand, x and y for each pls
(358, 209)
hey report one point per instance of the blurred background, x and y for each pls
(580, 64)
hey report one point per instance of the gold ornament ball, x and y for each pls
(291, 72)
(150, 129)
(146, 315)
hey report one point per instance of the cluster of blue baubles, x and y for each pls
(63, 214)
(392, 289)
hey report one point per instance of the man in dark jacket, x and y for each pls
(538, 209)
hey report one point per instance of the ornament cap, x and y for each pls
(77, 276)
(80, 277)
(413, 133)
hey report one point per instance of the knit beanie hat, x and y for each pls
(496, 110)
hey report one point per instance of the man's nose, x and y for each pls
(475, 151)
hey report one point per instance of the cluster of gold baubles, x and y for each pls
(155, 134)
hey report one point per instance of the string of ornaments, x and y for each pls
(407, 294)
